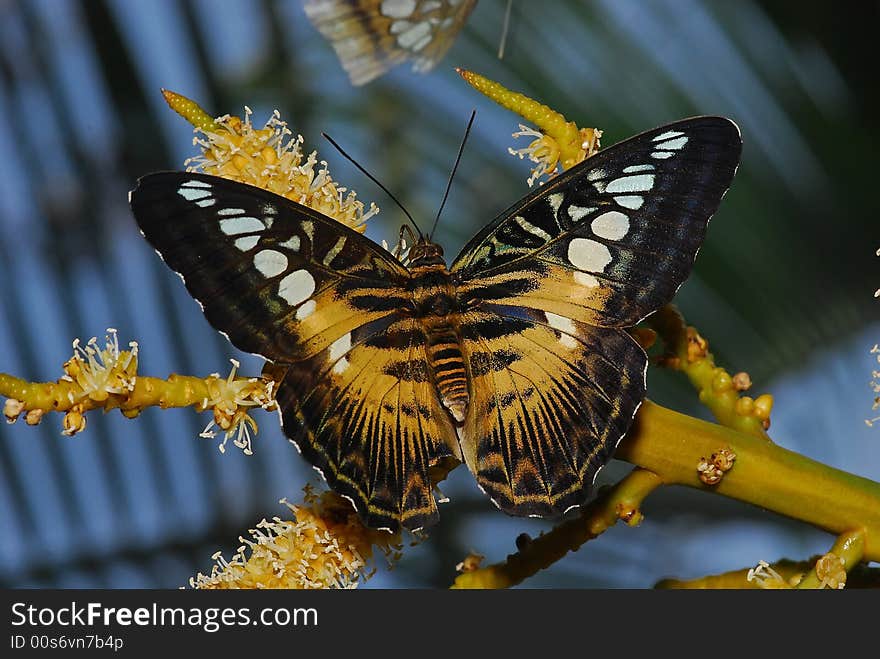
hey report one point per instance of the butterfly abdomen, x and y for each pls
(437, 313)
(447, 366)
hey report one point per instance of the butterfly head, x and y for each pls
(424, 252)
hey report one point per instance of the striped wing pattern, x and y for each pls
(549, 402)
(596, 249)
(365, 413)
(287, 283)
(372, 36)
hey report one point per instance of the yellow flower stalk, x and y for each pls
(106, 378)
(190, 110)
(269, 158)
(558, 142)
(324, 546)
(688, 351)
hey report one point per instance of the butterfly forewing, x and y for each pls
(268, 272)
(610, 240)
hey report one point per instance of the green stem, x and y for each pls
(764, 474)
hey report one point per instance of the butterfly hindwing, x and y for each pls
(366, 414)
(610, 240)
(372, 36)
(550, 399)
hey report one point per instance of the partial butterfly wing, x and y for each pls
(372, 36)
(555, 381)
(324, 304)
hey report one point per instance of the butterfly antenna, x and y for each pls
(374, 180)
(504, 29)
(452, 175)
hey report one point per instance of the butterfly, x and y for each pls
(372, 36)
(514, 359)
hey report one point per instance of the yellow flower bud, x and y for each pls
(744, 406)
(74, 421)
(722, 381)
(763, 406)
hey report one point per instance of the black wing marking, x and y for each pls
(610, 240)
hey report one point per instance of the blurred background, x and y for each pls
(783, 287)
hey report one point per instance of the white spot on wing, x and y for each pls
(635, 201)
(247, 243)
(296, 287)
(270, 263)
(338, 349)
(226, 212)
(205, 203)
(632, 169)
(233, 226)
(586, 279)
(612, 225)
(306, 309)
(662, 155)
(639, 183)
(595, 174)
(667, 135)
(673, 144)
(586, 254)
(555, 201)
(421, 43)
(398, 8)
(413, 35)
(566, 328)
(193, 183)
(193, 194)
(577, 213)
(292, 244)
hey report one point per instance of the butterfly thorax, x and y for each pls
(437, 313)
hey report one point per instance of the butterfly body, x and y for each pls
(513, 359)
(438, 311)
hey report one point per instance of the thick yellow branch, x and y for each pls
(668, 447)
(766, 475)
(689, 352)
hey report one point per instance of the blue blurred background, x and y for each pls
(783, 287)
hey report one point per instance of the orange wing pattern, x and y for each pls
(550, 399)
(365, 412)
